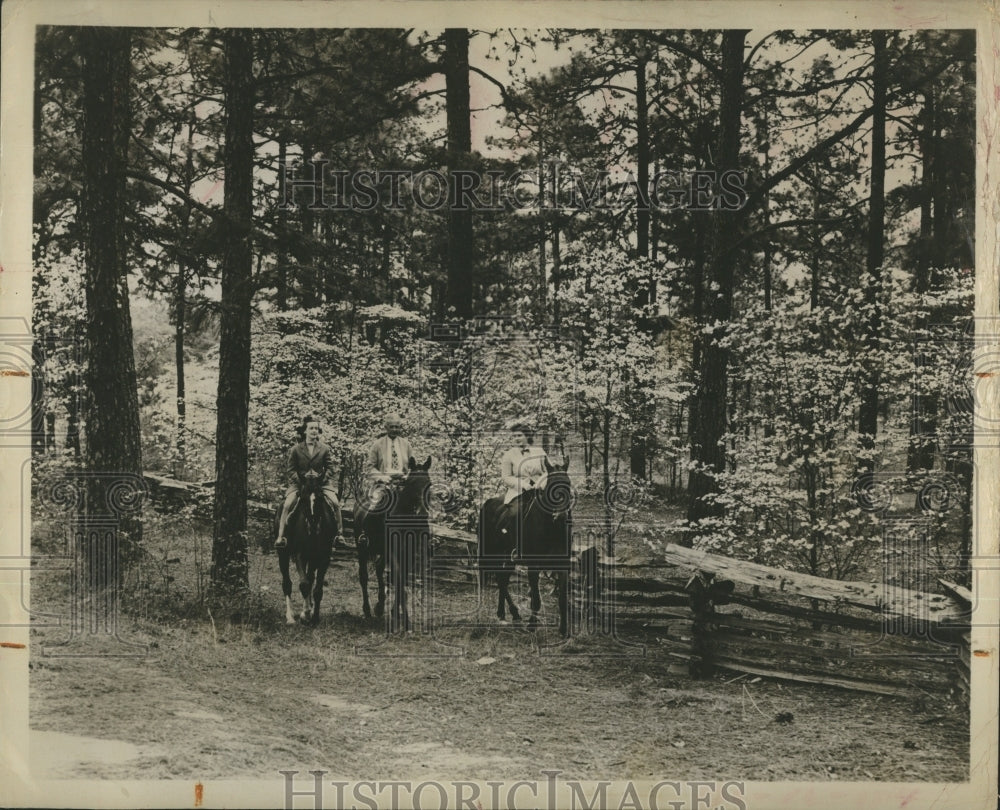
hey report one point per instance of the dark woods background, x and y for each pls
(738, 372)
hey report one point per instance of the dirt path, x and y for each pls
(241, 702)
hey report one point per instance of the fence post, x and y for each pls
(705, 593)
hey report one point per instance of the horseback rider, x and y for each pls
(522, 469)
(310, 457)
(389, 455)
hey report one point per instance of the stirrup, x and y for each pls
(281, 542)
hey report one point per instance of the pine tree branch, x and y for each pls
(788, 223)
(683, 50)
(509, 101)
(756, 197)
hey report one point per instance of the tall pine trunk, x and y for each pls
(180, 313)
(281, 257)
(111, 408)
(642, 162)
(707, 423)
(39, 440)
(458, 295)
(542, 283)
(309, 280)
(229, 544)
(38, 429)
(868, 411)
(180, 304)
(923, 423)
(640, 432)
(556, 268)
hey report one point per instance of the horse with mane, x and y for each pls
(393, 530)
(540, 539)
(310, 531)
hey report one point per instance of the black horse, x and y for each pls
(395, 531)
(539, 539)
(310, 531)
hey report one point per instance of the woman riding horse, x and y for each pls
(310, 544)
(534, 527)
(310, 455)
(309, 521)
(522, 469)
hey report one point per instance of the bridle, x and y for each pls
(420, 509)
(556, 514)
(393, 489)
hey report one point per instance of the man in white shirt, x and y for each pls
(390, 453)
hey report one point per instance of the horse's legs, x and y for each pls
(404, 612)
(305, 589)
(515, 614)
(392, 578)
(536, 597)
(562, 590)
(286, 586)
(397, 580)
(501, 602)
(380, 580)
(504, 599)
(318, 589)
(363, 575)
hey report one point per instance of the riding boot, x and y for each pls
(282, 541)
(505, 528)
(503, 520)
(338, 541)
(507, 517)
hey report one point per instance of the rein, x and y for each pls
(534, 500)
(397, 486)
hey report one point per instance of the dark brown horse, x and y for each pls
(540, 538)
(394, 532)
(310, 531)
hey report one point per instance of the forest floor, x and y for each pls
(210, 699)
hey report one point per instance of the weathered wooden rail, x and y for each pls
(770, 622)
(963, 662)
(783, 624)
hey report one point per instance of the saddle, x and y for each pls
(507, 514)
(377, 492)
(298, 507)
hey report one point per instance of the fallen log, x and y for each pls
(915, 606)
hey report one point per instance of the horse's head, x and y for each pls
(310, 484)
(557, 497)
(414, 489)
(311, 495)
